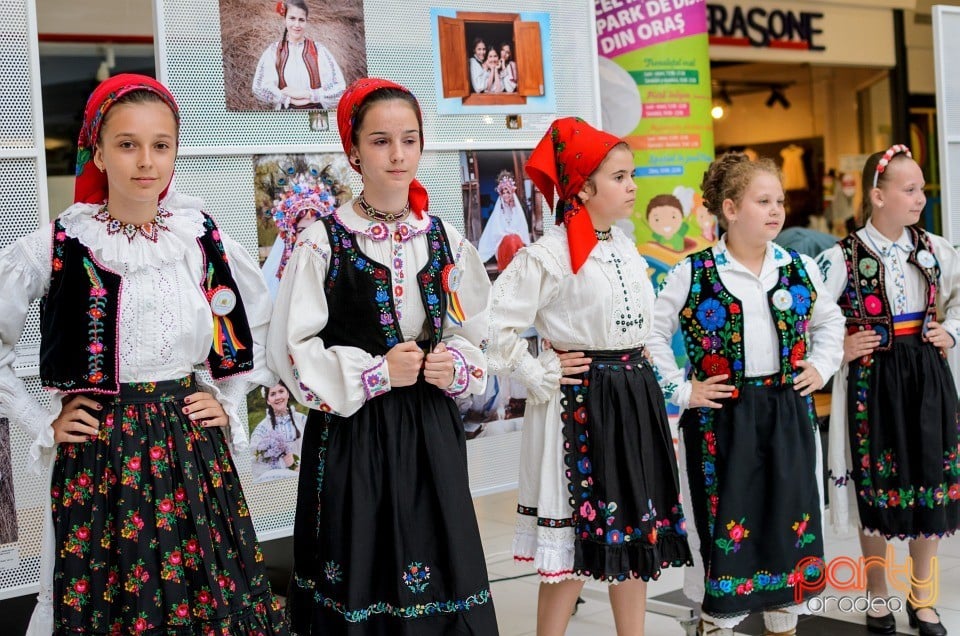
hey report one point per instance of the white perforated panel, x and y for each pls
(946, 47)
(16, 125)
(22, 205)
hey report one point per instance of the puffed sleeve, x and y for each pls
(465, 340)
(24, 277)
(232, 391)
(833, 271)
(518, 294)
(948, 299)
(827, 325)
(338, 379)
(266, 84)
(666, 321)
(332, 83)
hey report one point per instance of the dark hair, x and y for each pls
(273, 415)
(384, 95)
(476, 41)
(866, 180)
(662, 200)
(298, 4)
(728, 177)
(140, 96)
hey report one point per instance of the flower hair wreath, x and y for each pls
(281, 9)
(887, 157)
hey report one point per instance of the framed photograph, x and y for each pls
(291, 192)
(290, 54)
(491, 62)
(276, 433)
(319, 120)
(502, 210)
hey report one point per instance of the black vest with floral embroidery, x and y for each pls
(712, 320)
(355, 282)
(80, 315)
(864, 301)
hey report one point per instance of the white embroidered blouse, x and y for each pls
(266, 82)
(340, 379)
(165, 328)
(607, 305)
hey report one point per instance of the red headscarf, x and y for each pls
(91, 183)
(347, 108)
(567, 155)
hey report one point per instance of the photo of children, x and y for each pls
(291, 192)
(500, 213)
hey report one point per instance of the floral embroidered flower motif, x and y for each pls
(417, 577)
(800, 527)
(333, 572)
(711, 314)
(736, 532)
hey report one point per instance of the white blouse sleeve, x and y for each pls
(24, 277)
(518, 294)
(833, 271)
(266, 83)
(666, 321)
(232, 392)
(464, 341)
(827, 325)
(332, 83)
(338, 379)
(948, 299)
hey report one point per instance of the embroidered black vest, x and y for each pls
(354, 282)
(864, 301)
(712, 320)
(80, 314)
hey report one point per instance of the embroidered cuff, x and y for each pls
(231, 394)
(37, 422)
(376, 379)
(461, 374)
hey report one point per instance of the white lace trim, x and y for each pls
(550, 549)
(125, 256)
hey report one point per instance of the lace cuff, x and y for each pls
(232, 396)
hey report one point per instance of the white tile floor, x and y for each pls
(516, 598)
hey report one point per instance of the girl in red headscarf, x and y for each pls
(598, 479)
(148, 529)
(297, 71)
(377, 327)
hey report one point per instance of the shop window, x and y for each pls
(459, 40)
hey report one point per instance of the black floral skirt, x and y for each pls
(621, 470)
(751, 466)
(902, 420)
(385, 538)
(152, 531)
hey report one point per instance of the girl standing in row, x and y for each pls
(761, 335)
(148, 529)
(385, 537)
(893, 434)
(598, 479)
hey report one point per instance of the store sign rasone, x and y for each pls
(764, 28)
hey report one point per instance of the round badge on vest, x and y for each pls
(450, 278)
(925, 258)
(222, 300)
(782, 299)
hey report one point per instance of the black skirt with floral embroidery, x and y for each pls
(152, 531)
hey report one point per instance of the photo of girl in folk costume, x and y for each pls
(147, 528)
(894, 447)
(507, 219)
(277, 440)
(377, 328)
(598, 494)
(761, 335)
(297, 71)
